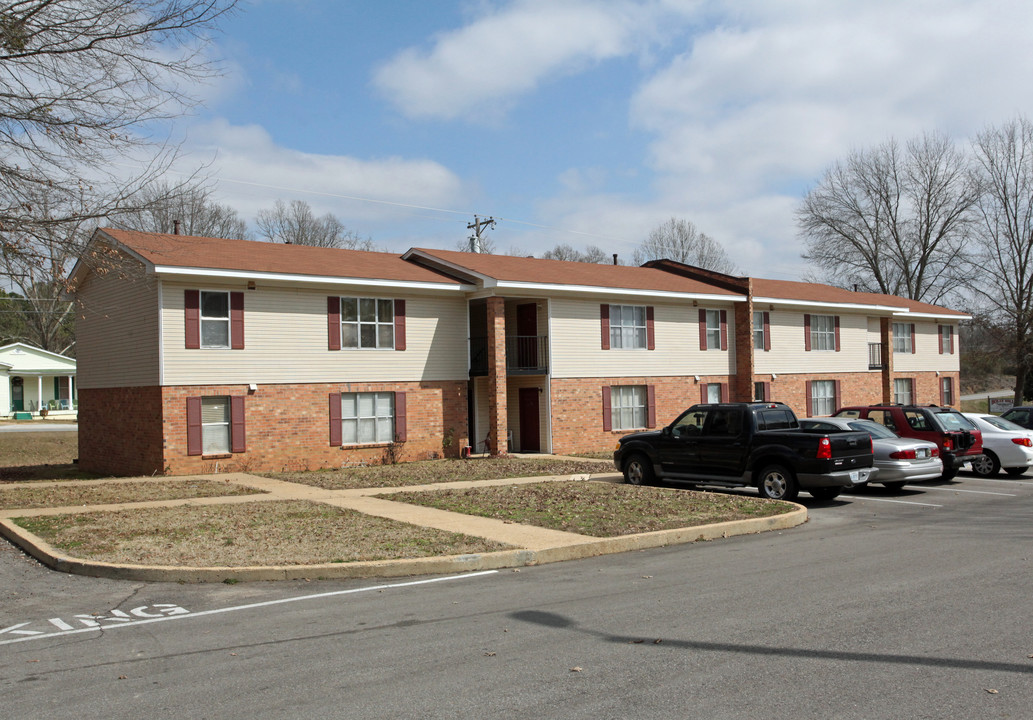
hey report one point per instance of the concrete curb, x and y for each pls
(53, 558)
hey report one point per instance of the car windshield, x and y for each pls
(950, 420)
(1002, 424)
(874, 429)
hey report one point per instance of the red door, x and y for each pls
(530, 439)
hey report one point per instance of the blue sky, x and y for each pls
(588, 121)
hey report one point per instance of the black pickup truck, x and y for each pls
(739, 444)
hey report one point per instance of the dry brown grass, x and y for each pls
(595, 508)
(438, 471)
(25, 457)
(252, 534)
(116, 492)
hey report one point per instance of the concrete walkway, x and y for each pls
(531, 545)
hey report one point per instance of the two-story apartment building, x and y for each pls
(200, 354)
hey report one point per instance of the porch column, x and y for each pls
(886, 340)
(39, 397)
(498, 426)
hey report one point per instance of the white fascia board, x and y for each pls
(931, 316)
(553, 289)
(309, 279)
(447, 265)
(888, 309)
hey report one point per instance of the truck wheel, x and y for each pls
(986, 465)
(777, 483)
(639, 471)
(949, 473)
(825, 493)
(1015, 472)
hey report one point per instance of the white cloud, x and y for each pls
(475, 72)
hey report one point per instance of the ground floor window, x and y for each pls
(903, 391)
(946, 391)
(215, 425)
(823, 397)
(367, 417)
(629, 407)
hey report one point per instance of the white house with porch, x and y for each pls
(35, 382)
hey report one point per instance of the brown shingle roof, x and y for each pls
(816, 292)
(250, 256)
(561, 272)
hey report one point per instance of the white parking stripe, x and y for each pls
(999, 480)
(890, 500)
(974, 492)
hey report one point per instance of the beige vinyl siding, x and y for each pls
(927, 357)
(576, 343)
(285, 340)
(116, 330)
(787, 346)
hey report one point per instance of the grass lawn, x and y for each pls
(116, 492)
(25, 457)
(253, 534)
(596, 508)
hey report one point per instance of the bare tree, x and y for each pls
(892, 220)
(84, 83)
(591, 254)
(680, 240)
(1001, 274)
(163, 204)
(296, 224)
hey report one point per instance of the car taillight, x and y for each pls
(934, 451)
(947, 444)
(1025, 442)
(903, 455)
(824, 449)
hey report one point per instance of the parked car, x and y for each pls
(899, 460)
(1021, 415)
(739, 444)
(1005, 444)
(960, 442)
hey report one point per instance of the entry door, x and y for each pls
(18, 394)
(527, 335)
(530, 437)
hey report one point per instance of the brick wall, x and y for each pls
(120, 430)
(287, 428)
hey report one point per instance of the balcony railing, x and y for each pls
(875, 356)
(525, 355)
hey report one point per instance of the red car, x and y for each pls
(958, 439)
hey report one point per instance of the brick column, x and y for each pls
(886, 339)
(498, 426)
(742, 387)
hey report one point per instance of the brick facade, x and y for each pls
(286, 426)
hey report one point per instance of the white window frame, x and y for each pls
(713, 320)
(625, 326)
(823, 333)
(629, 407)
(823, 397)
(382, 423)
(758, 330)
(947, 390)
(904, 391)
(902, 338)
(713, 392)
(212, 430)
(947, 339)
(352, 329)
(210, 320)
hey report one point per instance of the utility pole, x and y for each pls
(476, 225)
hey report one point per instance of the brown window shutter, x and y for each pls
(767, 389)
(724, 329)
(237, 320)
(767, 332)
(194, 444)
(238, 436)
(913, 344)
(399, 324)
(837, 398)
(702, 329)
(703, 392)
(607, 410)
(604, 325)
(400, 420)
(807, 397)
(950, 340)
(650, 406)
(807, 334)
(650, 332)
(724, 392)
(943, 400)
(192, 305)
(837, 333)
(335, 419)
(939, 336)
(333, 324)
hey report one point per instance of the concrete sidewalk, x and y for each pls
(531, 545)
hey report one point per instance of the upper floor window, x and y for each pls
(823, 332)
(761, 340)
(628, 326)
(215, 319)
(946, 339)
(713, 329)
(903, 342)
(367, 323)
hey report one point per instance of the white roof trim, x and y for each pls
(931, 316)
(320, 279)
(608, 290)
(35, 349)
(830, 305)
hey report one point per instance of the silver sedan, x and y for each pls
(899, 460)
